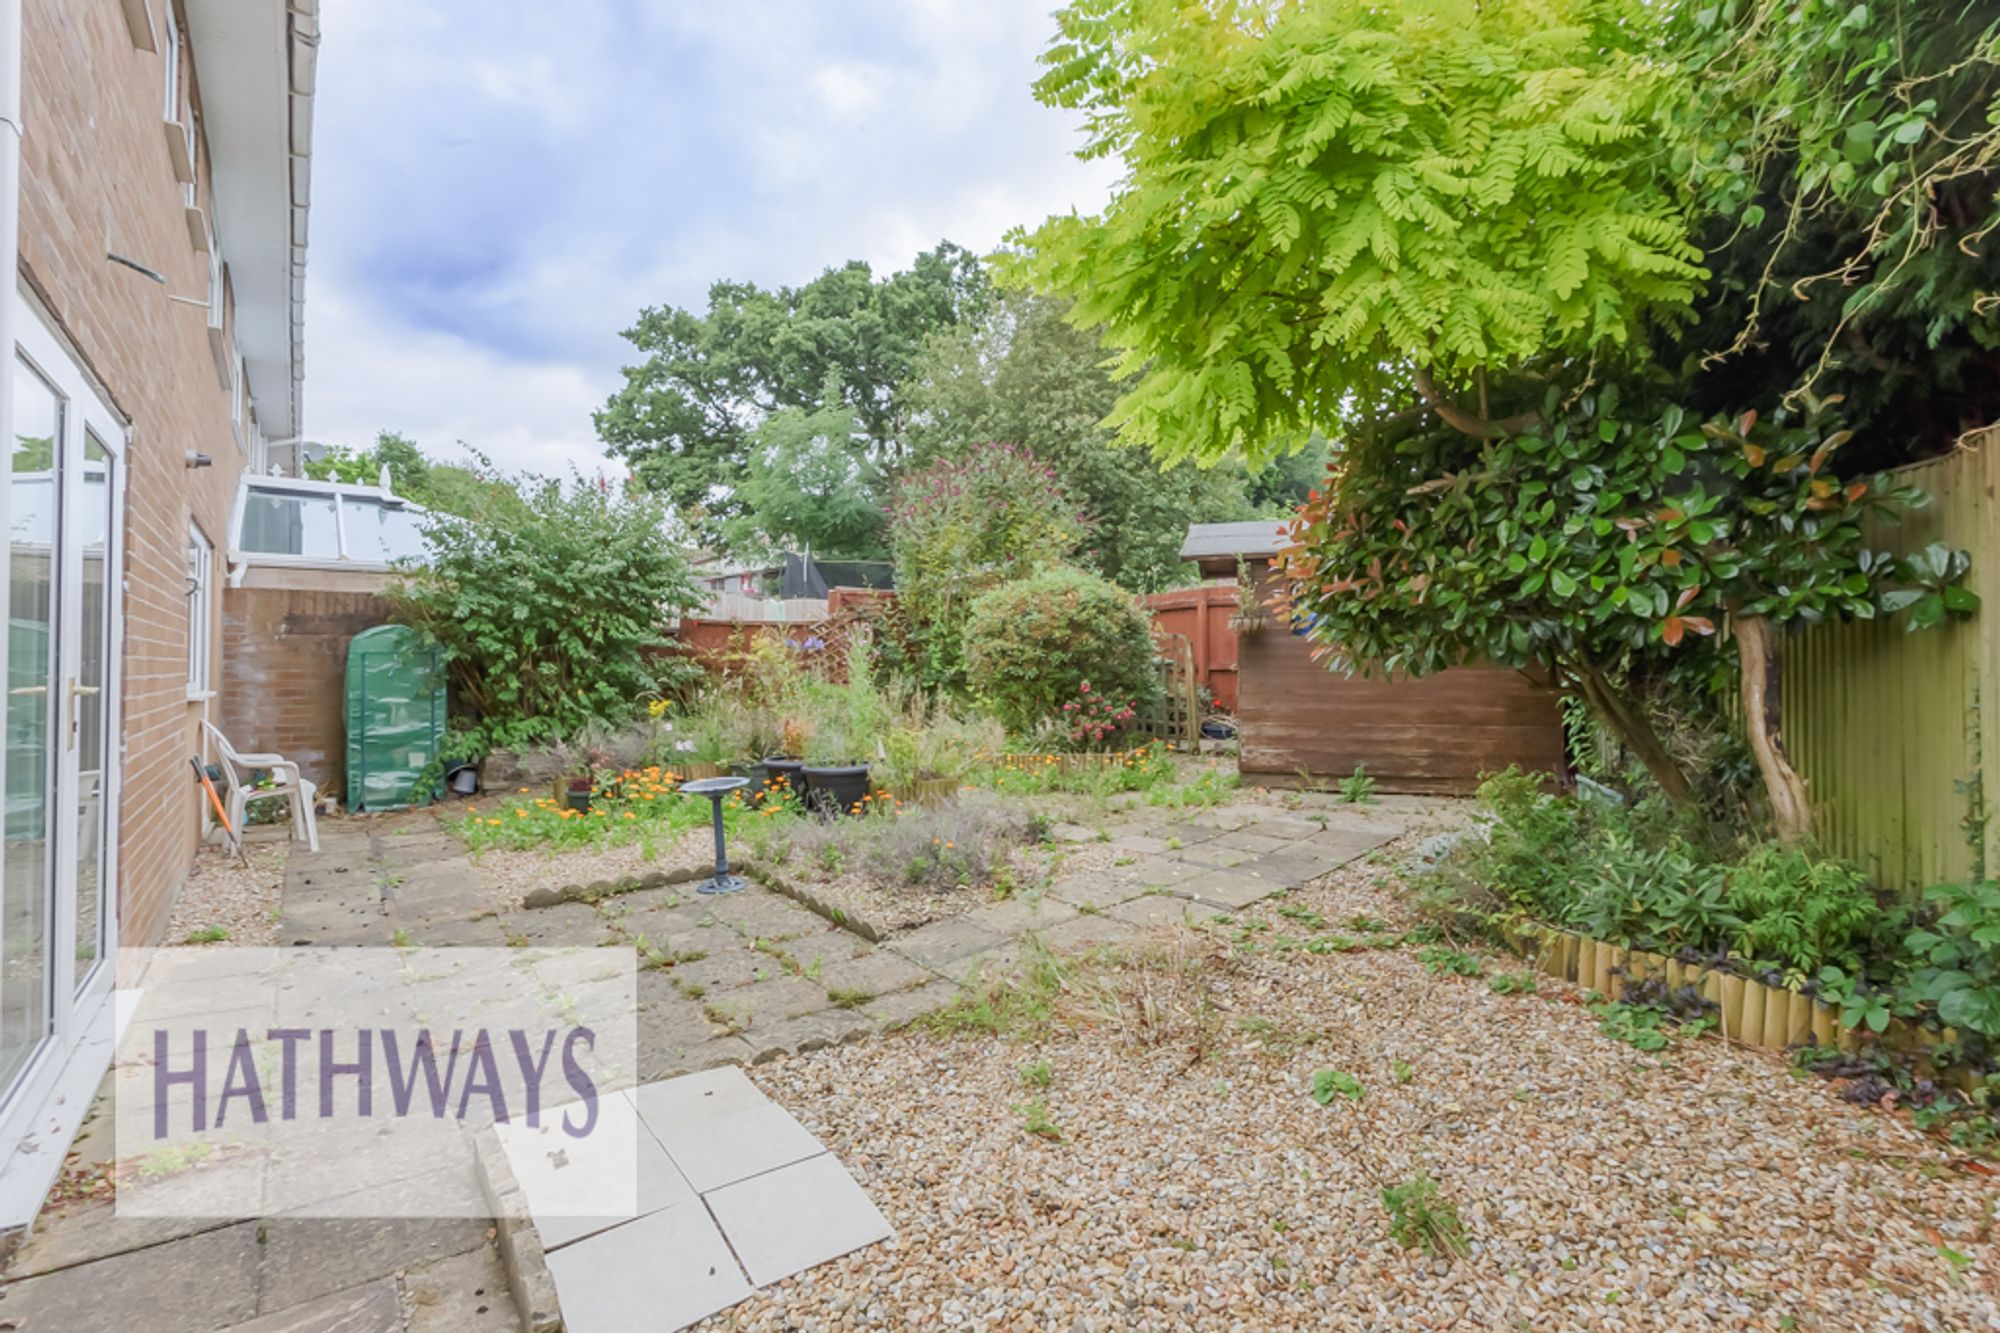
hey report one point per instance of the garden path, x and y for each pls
(735, 980)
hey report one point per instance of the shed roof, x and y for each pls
(1212, 542)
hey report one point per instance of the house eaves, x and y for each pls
(255, 61)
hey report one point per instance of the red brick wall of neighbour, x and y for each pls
(1434, 734)
(96, 175)
(284, 656)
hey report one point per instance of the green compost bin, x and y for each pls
(395, 718)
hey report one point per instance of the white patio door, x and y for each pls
(58, 904)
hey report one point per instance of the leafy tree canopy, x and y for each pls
(474, 491)
(962, 527)
(812, 484)
(1842, 157)
(688, 411)
(1333, 207)
(1026, 375)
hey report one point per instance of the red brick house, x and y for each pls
(154, 179)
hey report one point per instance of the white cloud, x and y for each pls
(501, 185)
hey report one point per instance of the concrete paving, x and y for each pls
(722, 982)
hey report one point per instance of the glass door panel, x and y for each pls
(94, 517)
(34, 528)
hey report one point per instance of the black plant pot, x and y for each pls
(835, 789)
(783, 766)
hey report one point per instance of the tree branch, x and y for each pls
(1464, 422)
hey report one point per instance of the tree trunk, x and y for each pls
(1791, 807)
(1635, 731)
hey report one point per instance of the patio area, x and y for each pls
(743, 980)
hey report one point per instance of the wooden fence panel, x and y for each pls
(1897, 732)
(1201, 616)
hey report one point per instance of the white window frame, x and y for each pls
(342, 493)
(200, 613)
(170, 53)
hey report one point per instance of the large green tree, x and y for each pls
(809, 486)
(689, 408)
(1435, 230)
(1027, 375)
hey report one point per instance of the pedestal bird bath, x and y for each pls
(715, 789)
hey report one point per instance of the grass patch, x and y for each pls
(1420, 1217)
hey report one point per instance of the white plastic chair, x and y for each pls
(285, 781)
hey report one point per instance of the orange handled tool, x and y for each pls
(221, 815)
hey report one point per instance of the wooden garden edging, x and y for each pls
(1747, 1011)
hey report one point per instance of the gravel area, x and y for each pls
(238, 897)
(1196, 1183)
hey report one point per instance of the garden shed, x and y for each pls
(1296, 716)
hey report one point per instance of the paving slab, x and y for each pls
(1095, 888)
(1155, 909)
(808, 1032)
(726, 960)
(1090, 932)
(1228, 890)
(305, 1258)
(943, 942)
(372, 1307)
(761, 914)
(767, 1003)
(663, 1271)
(791, 1219)
(1213, 857)
(577, 925)
(899, 1010)
(1247, 841)
(205, 1282)
(1016, 915)
(877, 973)
(466, 1293)
(720, 1128)
(577, 1187)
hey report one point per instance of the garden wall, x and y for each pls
(284, 658)
(1435, 734)
(1896, 733)
(1201, 616)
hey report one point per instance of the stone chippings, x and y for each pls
(1599, 1187)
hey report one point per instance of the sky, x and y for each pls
(499, 186)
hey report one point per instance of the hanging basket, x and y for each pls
(1248, 627)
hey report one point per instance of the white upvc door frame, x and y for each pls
(78, 1006)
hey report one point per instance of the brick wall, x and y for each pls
(96, 176)
(284, 662)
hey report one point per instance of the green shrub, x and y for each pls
(1635, 875)
(1064, 651)
(1802, 912)
(963, 527)
(1958, 959)
(553, 615)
